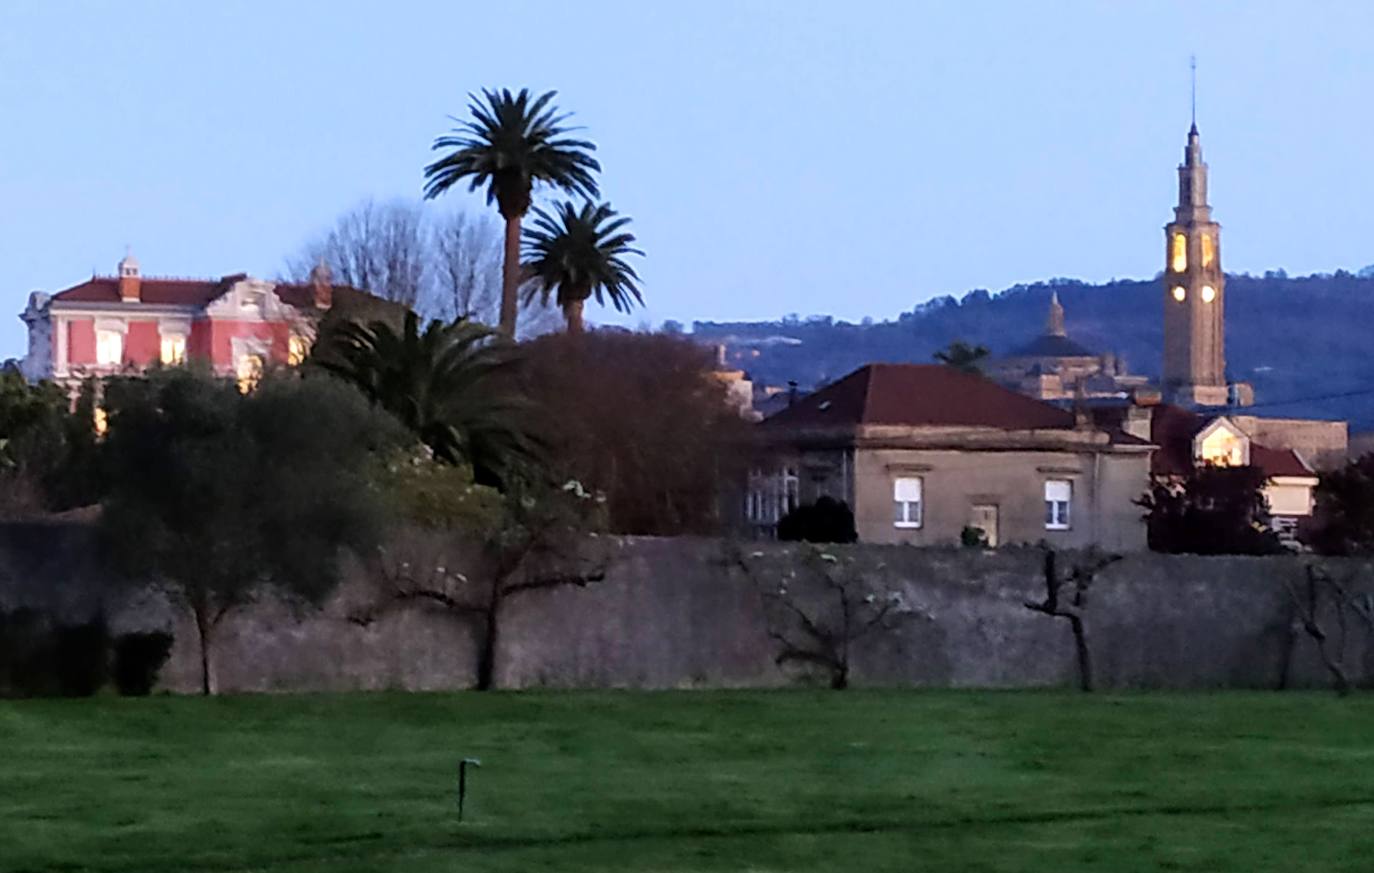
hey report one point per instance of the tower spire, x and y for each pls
(1192, 76)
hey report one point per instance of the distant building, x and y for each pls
(237, 324)
(922, 452)
(1055, 367)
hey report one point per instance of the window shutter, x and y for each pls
(906, 490)
(1059, 490)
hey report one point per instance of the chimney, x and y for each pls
(130, 285)
(322, 285)
(721, 362)
(791, 391)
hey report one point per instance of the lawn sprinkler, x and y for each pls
(463, 782)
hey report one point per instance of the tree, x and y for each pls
(512, 143)
(1343, 521)
(31, 431)
(469, 550)
(817, 619)
(826, 521)
(467, 268)
(573, 254)
(962, 356)
(381, 248)
(1072, 605)
(449, 385)
(218, 496)
(642, 419)
(1213, 511)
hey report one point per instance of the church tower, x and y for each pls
(1194, 291)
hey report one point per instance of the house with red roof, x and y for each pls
(921, 453)
(237, 324)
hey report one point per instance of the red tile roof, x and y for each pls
(1173, 428)
(917, 395)
(174, 292)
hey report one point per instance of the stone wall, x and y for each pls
(681, 613)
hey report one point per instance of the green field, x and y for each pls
(759, 781)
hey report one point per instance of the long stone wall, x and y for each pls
(683, 614)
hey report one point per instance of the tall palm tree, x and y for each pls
(448, 384)
(512, 143)
(573, 254)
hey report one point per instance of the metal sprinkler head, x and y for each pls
(463, 781)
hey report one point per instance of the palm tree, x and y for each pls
(448, 384)
(512, 143)
(573, 254)
(962, 356)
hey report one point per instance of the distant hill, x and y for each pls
(1297, 340)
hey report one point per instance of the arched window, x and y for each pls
(1178, 255)
(1209, 250)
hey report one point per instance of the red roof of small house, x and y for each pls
(920, 395)
(167, 292)
(1173, 428)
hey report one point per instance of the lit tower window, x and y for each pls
(1209, 250)
(1208, 294)
(1178, 258)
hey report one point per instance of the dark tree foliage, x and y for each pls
(826, 521)
(138, 658)
(962, 356)
(1343, 523)
(572, 254)
(448, 384)
(216, 495)
(1214, 511)
(642, 420)
(46, 451)
(82, 656)
(512, 143)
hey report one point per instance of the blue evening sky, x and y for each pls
(852, 158)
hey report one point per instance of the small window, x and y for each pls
(906, 502)
(109, 347)
(248, 371)
(296, 350)
(173, 350)
(1058, 500)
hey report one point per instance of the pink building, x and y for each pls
(109, 324)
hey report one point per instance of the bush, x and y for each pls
(82, 657)
(138, 658)
(826, 521)
(26, 654)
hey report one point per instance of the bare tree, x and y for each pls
(835, 608)
(380, 248)
(1324, 595)
(467, 267)
(1071, 605)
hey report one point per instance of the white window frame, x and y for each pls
(1058, 504)
(908, 513)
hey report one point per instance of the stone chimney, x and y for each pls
(130, 284)
(322, 285)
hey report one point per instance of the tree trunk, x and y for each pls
(510, 278)
(572, 314)
(1080, 642)
(486, 658)
(203, 631)
(839, 677)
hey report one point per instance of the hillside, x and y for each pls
(1298, 340)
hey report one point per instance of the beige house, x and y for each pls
(920, 453)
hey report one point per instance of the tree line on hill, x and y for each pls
(1299, 340)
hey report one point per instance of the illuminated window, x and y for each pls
(1179, 294)
(1209, 250)
(1208, 294)
(1058, 498)
(173, 349)
(101, 421)
(1178, 257)
(906, 502)
(248, 371)
(109, 347)
(1223, 448)
(296, 350)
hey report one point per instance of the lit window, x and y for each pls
(906, 502)
(248, 371)
(1208, 294)
(296, 350)
(1222, 448)
(1058, 498)
(1209, 250)
(109, 347)
(1178, 257)
(173, 349)
(101, 421)
(1179, 294)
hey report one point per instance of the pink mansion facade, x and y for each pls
(109, 324)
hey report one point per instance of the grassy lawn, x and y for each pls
(765, 781)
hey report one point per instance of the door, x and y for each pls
(985, 519)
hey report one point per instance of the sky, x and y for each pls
(852, 159)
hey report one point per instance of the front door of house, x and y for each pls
(985, 519)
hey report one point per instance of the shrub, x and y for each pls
(138, 658)
(826, 521)
(26, 654)
(82, 657)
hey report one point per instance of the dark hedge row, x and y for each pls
(43, 658)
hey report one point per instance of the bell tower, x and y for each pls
(1194, 291)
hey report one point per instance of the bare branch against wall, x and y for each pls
(1070, 603)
